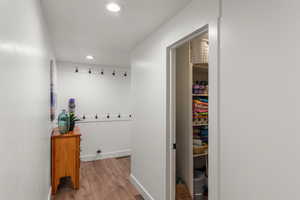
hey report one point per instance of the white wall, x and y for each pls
(259, 78)
(98, 94)
(25, 56)
(260, 100)
(149, 71)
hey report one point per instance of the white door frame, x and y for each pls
(214, 154)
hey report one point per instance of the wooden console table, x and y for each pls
(65, 157)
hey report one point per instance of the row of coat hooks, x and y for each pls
(102, 72)
(106, 116)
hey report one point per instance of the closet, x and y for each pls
(192, 138)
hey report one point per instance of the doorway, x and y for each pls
(192, 87)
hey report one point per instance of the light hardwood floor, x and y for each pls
(182, 193)
(101, 180)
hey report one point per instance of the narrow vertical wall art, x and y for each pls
(52, 92)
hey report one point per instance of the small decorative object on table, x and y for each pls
(63, 122)
(72, 116)
(72, 105)
(73, 120)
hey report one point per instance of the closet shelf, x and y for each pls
(197, 136)
(200, 95)
(198, 124)
(202, 66)
(200, 155)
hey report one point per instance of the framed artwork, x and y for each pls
(52, 92)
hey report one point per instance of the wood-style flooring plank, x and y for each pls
(101, 180)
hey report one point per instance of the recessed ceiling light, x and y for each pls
(113, 7)
(89, 57)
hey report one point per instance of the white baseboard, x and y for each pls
(49, 194)
(116, 154)
(140, 188)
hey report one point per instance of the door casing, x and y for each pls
(213, 150)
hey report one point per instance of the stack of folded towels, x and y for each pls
(200, 111)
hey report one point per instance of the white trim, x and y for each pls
(49, 194)
(104, 120)
(115, 154)
(146, 195)
(81, 64)
(171, 124)
(214, 125)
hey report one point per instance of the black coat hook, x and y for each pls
(130, 115)
(119, 116)
(90, 71)
(83, 117)
(102, 72)
(125, 74)
(96, 117)
(107, 116)
(76, 70)
(114, 73)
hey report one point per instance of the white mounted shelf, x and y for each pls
(199, 124)
(200, 155)
(102, 121)
(200, 95)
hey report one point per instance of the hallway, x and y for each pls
(149, 100)
(101, 180)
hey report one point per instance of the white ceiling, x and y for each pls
(82, 27)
